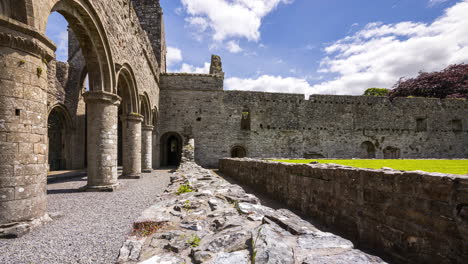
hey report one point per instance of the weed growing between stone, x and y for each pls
(143, 229)
(184, 188)
(194, 241)
(187, 205)
(253, 255)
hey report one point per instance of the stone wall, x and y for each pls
(218, 222)
(192, 81)
(411, 217)
(325, 126)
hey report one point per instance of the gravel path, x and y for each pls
(91, 226)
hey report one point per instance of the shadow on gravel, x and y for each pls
(62, 191)
(64, 180)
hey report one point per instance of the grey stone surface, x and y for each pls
(92, 227)
(324, 126)
(417, 212)
(205, 226)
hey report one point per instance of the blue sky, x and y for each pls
(311, 46)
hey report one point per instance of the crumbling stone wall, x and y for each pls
(325, 126)
(411, 217)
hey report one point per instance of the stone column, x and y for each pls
(23, 128)
(147, 148)
(102, 140)
(131, 147)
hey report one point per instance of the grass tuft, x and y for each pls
(184, 188)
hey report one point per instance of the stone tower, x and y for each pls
(150, 15)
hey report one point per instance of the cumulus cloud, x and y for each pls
(233, 46)
(379, 54)
(187, 68)
(230, 18)
(268, 83)
(62, 46)
(174, 56)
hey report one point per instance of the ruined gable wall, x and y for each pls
(286, 125)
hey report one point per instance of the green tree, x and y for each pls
(376, 92)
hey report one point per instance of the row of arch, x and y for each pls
(112, 89)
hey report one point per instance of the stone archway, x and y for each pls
(367, 150)
(171, 149)
(130, 123)
(238, 152)
(27, 45)
(59, 133)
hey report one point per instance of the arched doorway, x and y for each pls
(171, 149)
(238, 152)
(367, 150)
(58, 133)
(89, 53)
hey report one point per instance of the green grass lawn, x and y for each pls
(443, 166)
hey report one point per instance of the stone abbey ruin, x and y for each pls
(134, 114)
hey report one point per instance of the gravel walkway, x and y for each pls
(90, 228)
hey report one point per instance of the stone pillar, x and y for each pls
(131, 147)
(102, 110)
(23, 129)
(147, 148)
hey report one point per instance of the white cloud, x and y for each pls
(230, 18)
(233, 46)
(174, 56)
(268, 83)
(62, 46)
(379, 54)
(200, 23)
(435, 2)
(187, 68)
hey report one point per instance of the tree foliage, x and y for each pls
(452, 82)
(376, 92)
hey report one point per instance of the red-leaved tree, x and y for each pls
(452, 82)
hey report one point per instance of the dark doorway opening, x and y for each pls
(238, 152)
(171, 149)
(57, 134)
(367, 150)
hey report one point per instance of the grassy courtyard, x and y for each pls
(443, 166)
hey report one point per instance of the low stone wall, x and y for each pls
(409, 217)
(216, 222)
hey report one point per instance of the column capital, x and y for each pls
(102, 97)
(135, 117)
(23, 37)
(147, 127)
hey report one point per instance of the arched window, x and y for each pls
(245, 119)
(367, 150)
(238, 152)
